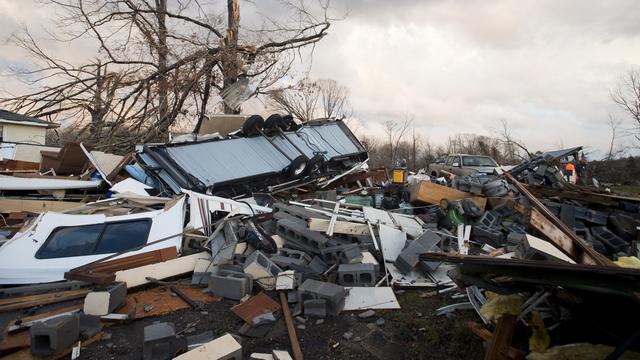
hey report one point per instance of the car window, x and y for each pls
(478, 161)
(121, 236)
(71, 241)
(456, 160)
(95, 239)
(449, 160)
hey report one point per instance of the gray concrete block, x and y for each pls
(230, 284)
(55, 335)
(299, 237)
(194, 341)
(262, 269)
(296, 254)
(318, 265)
(408, 258)
(286, 262)
(357, 275)
(90, 325)
(315, 307)
(332, 293)
(351, 255)
(160, 342)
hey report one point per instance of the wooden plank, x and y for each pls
(18, 340)
(580, 250)
(487, 335)
(340, 227)
(24, 302)
(501, 340)
(182, 265)
(103, 272)
(35, 206)
(557, 237)
(160, 301)
(29, 319)
(255, 306)
(291, 330)
(431, 193)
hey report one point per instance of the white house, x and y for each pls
(23, 137)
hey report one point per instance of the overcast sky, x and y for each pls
(544, 66)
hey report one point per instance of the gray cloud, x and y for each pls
(459, 66)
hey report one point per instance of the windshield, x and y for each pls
(478, 161)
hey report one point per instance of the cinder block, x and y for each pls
(315, 307)
(104, 302)
(296, 211)
(299, 237)
(230, 284)
(611, 241)
(286, 262)
(90, 325)
(160, 342)
(263, 270)
(225, 347)
(351, 255)
(356, 275)
(296, 254)
(194, 341)
(488, 219)
(55, 335)
(317, 265)
(496, 188)
(332, 293)
(490, 235)
(408, 258)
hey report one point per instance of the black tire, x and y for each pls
(274, 122)
(288, 124)
(253, 125)
(434, 174)
(297, 167)
(315, 165)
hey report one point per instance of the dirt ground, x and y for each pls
(414, 332)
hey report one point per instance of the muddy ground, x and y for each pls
(414, 332)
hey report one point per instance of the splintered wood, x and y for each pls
(160, 300)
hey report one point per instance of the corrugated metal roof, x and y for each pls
(216, 162)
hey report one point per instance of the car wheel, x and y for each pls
(315, 165)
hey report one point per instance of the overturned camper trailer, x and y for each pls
(267, 156)
(55, 242)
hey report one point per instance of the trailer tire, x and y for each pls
(253, 125)
(298, 167)
(273, 122)
(315, 165)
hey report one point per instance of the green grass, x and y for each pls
(627, 189)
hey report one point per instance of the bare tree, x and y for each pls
(168, 60)
(395, 132)
(308, 100)
(627, 96)
(614, 151)
(511, 146)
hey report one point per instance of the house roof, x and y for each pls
(15, 118)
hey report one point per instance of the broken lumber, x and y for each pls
(104, 272)
(487, 335)
(501, 340)
(291, 330)
(23, 302)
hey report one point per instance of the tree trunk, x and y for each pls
(230, 60)
(163, 82)
(96, 112)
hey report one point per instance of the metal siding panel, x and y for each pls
(242, 157)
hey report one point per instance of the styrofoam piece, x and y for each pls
(225, 347)
(182, 265)
(286, 280)
(130, 185)
(392, 241)
(363, 298)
